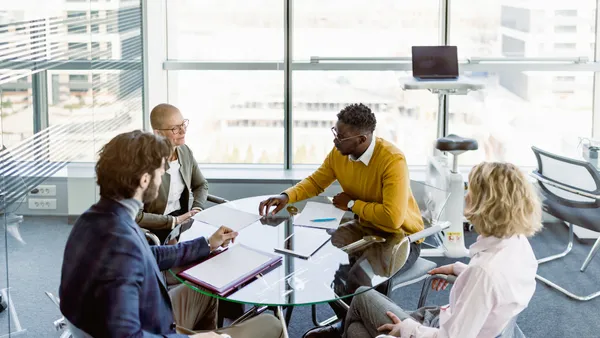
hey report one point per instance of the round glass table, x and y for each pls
(354, 256)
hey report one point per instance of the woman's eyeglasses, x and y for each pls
(178, 129)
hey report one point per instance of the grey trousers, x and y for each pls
(368, 312)
(196, 311)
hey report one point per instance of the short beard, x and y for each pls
(151, 192)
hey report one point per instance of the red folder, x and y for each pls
(225, 290)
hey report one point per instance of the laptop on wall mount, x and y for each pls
(434, 62)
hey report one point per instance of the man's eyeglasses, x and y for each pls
(178, 129)
(335, 136)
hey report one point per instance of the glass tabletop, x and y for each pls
(331, 273)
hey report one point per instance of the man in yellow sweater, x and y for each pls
(372, 172)
(375, 181)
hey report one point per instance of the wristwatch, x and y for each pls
(350, 205)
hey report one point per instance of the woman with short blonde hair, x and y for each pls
(501, 202)
(492, 289)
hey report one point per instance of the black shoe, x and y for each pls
(329, 331)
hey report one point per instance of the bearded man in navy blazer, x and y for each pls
(111, 284)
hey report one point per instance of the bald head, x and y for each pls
(161, 114)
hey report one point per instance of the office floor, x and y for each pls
(34, 267)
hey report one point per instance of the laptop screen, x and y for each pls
(434, 61)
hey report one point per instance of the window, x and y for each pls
(516, 18)
(108, 52)
(512, 47)
(225, 30)
(111, 21)
(77, 29)
(564, 78)
(364, 28)
(78, 50)
(235, 122)
(16, 110)
(95, 28)
(76, 14)
(94, 14)
(245, 105)
(518, 110)
(78, 77)
(565, 29)
(405, 118)
(566, 12)
(564, 45)
(485, 28)
(106, 107)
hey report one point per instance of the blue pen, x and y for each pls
(323, 220)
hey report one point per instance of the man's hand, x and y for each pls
(440, 284)
(341, 201)
(279, 202)
(394, 329)
(186, 216)
(221, 238)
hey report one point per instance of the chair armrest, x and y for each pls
(151, 237)
(427, 286)
(562, 186)
(448, 278)
(437, 227)
(216, 199)
(385, 336)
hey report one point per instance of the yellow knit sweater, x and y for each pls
(381, 190)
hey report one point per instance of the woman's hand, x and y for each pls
(393, 329)
(440, 284)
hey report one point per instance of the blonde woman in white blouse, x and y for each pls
(494, 287)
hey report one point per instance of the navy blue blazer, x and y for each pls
(111, 283)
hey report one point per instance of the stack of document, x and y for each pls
(320, 215)
(232, 218)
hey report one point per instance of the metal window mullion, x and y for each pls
(287, 90)
(444, 22)
(596, 87)
(444, 39)
(145, 63)
(39, 91)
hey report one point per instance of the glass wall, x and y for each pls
(70, 79)
(536, 59)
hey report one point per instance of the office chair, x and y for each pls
(571, 192)
(432, 205)
(62, 324)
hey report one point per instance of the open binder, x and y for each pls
(225, 271)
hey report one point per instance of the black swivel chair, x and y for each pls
(571, 193)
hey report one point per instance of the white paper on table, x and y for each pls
(231, 265)
(315, 210)
(220, 215)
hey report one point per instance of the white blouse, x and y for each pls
(175, 189)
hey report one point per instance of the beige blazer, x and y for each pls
(151, 216)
